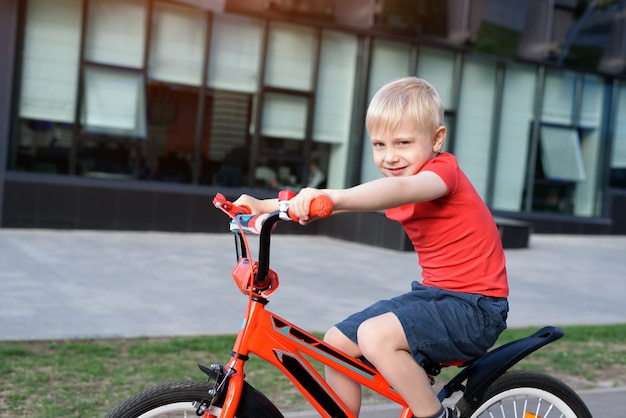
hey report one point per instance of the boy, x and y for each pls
(460, 308)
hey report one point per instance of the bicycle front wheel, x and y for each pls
(529, 395)
(175, 400)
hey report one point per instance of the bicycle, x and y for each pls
(486, 386)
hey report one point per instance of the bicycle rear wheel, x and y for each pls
(529, 395)
(175, 400)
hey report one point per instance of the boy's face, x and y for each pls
(405, 151)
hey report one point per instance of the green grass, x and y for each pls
(76, 378)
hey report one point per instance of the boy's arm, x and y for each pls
(380, 194)
(390, 192)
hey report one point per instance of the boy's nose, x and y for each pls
(391, 156)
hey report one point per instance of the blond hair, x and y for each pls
(395, 99)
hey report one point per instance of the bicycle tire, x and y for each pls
(536, 394)
(171, 400)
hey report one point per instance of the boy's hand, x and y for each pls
(249, 201)
(301, 203)
(257, 205)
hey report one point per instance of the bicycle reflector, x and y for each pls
(244, 275)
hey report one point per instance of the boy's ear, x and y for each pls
(439, 138)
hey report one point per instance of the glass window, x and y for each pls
(284, 116)
(50, 60)
(568, 161)
(618, 155)
(178, 42)
(560, 172)
(290, 55)
(590, 33)
(167, 153)
(44, 146)
(591, 103)
(561, 155)
(414, 17)
(501, 27)
(390, 60)
(116, 32)
(97, 158)
(114, 102)
(225, 144)
(333, 105)
(437, 67)
(590, 120)
(474, 122)
(335, 88)
(235, 58)
(515, 130)
(558, 98)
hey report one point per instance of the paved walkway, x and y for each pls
(603, 403)
(75, 284)
(84, 284)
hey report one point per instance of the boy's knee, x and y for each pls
(369, 339)
(332, 336)
(338, 339)
(379, 336)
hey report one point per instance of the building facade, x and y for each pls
(132, 114)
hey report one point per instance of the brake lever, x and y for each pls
(220, 202)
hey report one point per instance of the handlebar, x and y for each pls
(321, 207)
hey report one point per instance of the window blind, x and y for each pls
(116, 32)
(558, 97)
(561, 155)
(50, 62)
(591, 110)
(178, 42)
(284, 116)
(517, 108)
(333, 104)
(437, 67)
(618, 156)
(474, 123)
(114, 102)
(290, 56)
(235, 53)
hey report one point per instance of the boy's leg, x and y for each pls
(347, 389)
(383, 342)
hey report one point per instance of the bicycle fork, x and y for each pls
(225, 395)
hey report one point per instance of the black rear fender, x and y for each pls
(482, 373)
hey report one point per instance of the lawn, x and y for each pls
(76, 378)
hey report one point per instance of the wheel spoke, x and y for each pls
(522, 394)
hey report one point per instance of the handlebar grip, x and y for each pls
(321, 207)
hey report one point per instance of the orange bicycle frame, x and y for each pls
(284, 345)
(278, 341)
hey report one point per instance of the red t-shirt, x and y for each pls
(456, 239)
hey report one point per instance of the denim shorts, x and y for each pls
(440, 325)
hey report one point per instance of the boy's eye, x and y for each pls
(378, 144)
